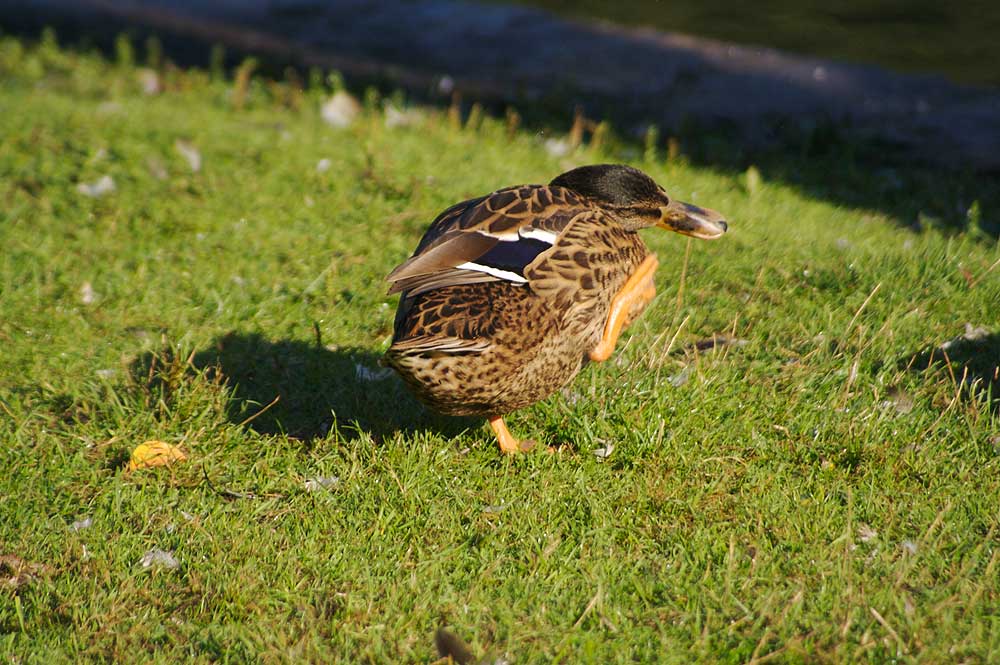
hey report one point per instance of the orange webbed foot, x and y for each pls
(637, 292)
(508, 444)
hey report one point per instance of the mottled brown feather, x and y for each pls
(467, 230)
(424, 270)
(480, 345)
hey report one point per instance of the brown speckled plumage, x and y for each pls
(507, 294)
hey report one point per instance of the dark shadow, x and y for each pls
(972, 359)
(317, 389)
(917, 149)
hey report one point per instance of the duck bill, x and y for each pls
(692, 220)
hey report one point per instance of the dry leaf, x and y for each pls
(899, 400)
(680, 378)
(367, 374)
(190, 153)
(154, 453)
(87, 294)
(752, 180)
(321, 482)
(157, 168)
(159, 559)
(453, 647)
(80, 525)
(493, 510)
(15, 572)
(149, 81)
(866, 533)
(105, 185)
(558, 147)
(604, 452)
(395, 117)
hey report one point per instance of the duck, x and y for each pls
(507, 296)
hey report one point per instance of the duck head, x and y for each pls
(638, 202)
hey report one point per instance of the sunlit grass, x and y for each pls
(811, 492)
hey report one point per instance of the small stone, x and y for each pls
(972, 334)
(340, 110)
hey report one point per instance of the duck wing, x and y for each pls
(492, 238)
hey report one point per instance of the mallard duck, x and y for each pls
(508, 295)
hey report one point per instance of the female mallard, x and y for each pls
(508, 294)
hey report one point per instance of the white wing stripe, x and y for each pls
(506, 237)
(496, 272)
(539, 234)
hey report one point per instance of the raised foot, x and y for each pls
(638, 290)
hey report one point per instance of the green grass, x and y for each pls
(816, 494)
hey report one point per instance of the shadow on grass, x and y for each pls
(317, 388)
(973, 359)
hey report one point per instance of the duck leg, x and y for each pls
(638, 290)
(508, 444)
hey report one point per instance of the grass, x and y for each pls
(827, 490)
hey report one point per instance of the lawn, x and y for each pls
(821, 485)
